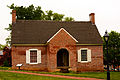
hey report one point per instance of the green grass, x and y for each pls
(99, 75)
(5, 68)
(18, 76)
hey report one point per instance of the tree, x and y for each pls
(8, 39)
(53, 16)
(49, 15)
(69, 19)
(34, 13)
(113, 49)
(2, 46)
(28, 13)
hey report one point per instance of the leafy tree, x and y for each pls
(9, 28)
(34, 13)
(113, 49)
(49, 15)
(69, 19)
(6, 63)
(28, 13)
(2, 46)
(53, 16)
(8, 39)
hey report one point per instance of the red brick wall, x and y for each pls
(19, 57)
(49, 58)
(49, 55)
(96, 63)
(61, 40)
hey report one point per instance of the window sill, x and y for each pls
(84, 61)
(33, 63)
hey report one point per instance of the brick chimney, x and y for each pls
(13, 16)
(92, 18)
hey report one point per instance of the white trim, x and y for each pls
(84, 61)
(88, 55)
(27, 56)
(37, 56)
(58, 32)
(33, 49)
(33, 63)
(84, 49)
(79, 56)
(37, 53)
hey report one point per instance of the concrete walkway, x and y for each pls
(52, 75)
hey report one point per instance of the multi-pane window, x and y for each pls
(83, 55)
(33, 56)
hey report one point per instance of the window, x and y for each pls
(33, 56)
(84, 55)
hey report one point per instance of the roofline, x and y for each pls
(56, 21)
(89, 44)
(47, 44)
(58, 32)
(29, 44)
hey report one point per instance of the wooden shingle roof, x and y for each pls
(39, 32)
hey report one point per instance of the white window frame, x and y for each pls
(28, 57)
(88, 55)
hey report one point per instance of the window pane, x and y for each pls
(33, 56)
(83, 55)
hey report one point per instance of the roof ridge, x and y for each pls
(55, 21)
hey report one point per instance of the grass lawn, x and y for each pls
(99, 75)
(5, 68)
(18, 76)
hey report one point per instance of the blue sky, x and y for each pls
(107, 12)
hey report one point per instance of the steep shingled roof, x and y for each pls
(39, 32)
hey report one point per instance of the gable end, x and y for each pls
(66, 32)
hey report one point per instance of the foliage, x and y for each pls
(2, 46)
(53, 16)
(5, 68)
(113, 48)
(69, 19)
(8, 40)
(28, 13)
(9, 28)
(34, 13)
(6, 63)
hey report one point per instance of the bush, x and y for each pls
(6, 63)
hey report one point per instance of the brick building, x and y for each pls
(49, 45)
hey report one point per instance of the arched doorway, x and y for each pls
(62, 58)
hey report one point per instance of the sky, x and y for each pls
(107, 12)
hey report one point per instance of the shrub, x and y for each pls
(6, 63)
